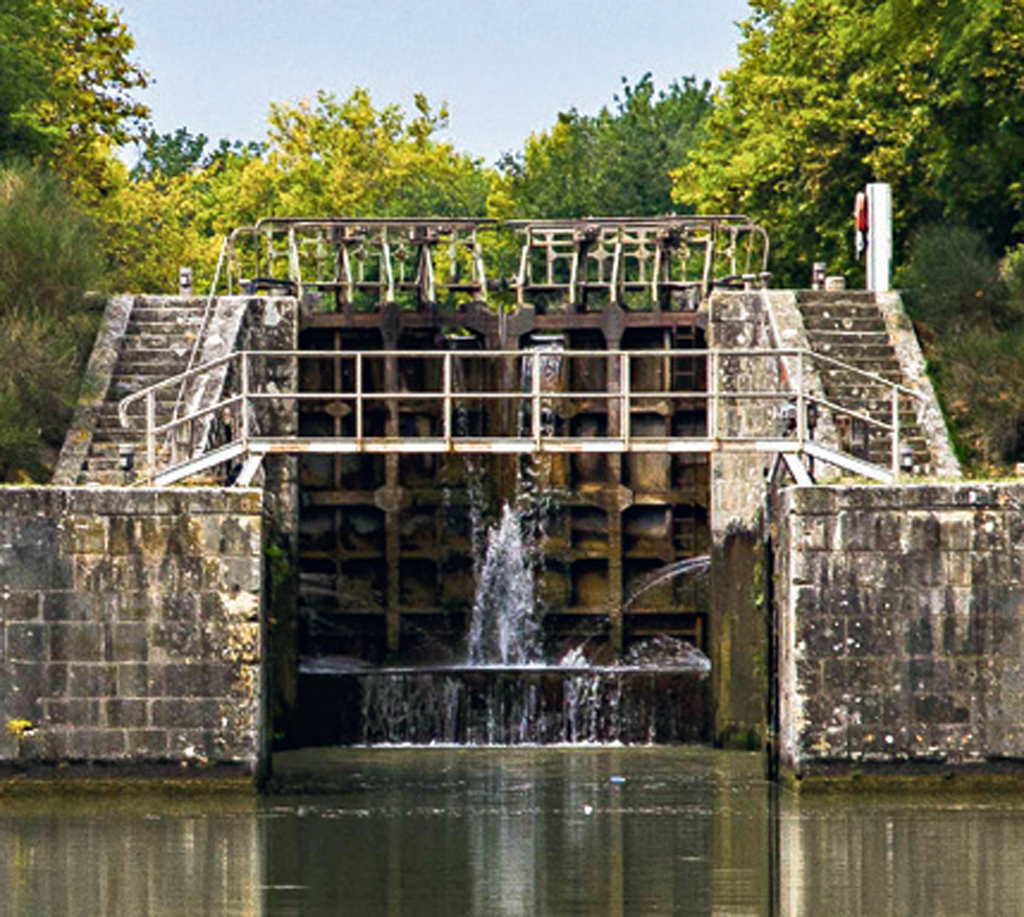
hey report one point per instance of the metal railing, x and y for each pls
(653, 261)
(670, 261)
(517, 401)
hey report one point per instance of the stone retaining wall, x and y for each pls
(901, 626)
(130, 625)
(736, 616)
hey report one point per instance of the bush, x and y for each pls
(980, 378)
(48, 258)
(48, 249)
(969, 308)
(953, 283)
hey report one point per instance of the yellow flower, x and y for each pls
(18, 728)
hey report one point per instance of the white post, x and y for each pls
(879, 196)
(150, 435)
(359, 400)
(447, 377)
(627, 419)
(535, 391)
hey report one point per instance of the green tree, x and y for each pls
(348, 158)
(66, 97)
(325, 158)
(617, 162)
(171, 155)
(831, 94)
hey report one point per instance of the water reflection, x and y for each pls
(934, 854)
(525, 831)
(512, 832)
(138, 856)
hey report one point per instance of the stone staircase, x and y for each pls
(849, 326)
(157, 343)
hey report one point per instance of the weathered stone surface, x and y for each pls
(901, 637)
(130, 625)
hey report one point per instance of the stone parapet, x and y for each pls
(130, 626)
(900, 615)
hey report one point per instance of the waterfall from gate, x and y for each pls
(504, 629)
(507, 692)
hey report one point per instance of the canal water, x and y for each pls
(528, 831)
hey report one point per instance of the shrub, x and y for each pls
(953, 282)
(48, 257)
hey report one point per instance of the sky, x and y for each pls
(505, 67)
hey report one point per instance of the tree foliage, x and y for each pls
(66, 97)
(348, 158)
(615, 163)
(320, 158)
(831, 94)
(171, 155)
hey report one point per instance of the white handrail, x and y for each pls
(626, 399)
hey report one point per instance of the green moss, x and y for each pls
(90, 786)
(915, 780)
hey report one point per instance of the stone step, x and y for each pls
(137, 410)
(814, 297)
(847, 380)
(182, 327)
(105, 477)
(140, 378)
(163, 334)
(114, 437)
(841, 310)
(141, 314)
(845, 338)
(107, 450)
(816, 322)
(156, 346)
(856, 353)
(158, 368)
(869, 402)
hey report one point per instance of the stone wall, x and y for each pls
(900, 617)
(130, 626)
(737, 616)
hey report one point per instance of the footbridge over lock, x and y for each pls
(515, 402)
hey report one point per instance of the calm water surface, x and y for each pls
(516, 832)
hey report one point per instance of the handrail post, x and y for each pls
(359, 401)
(895, 432)
(245, 401)
(625, 415)
(447, 377)
(801, 405)
(151, 434)
(535, 391)
(713, 389)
